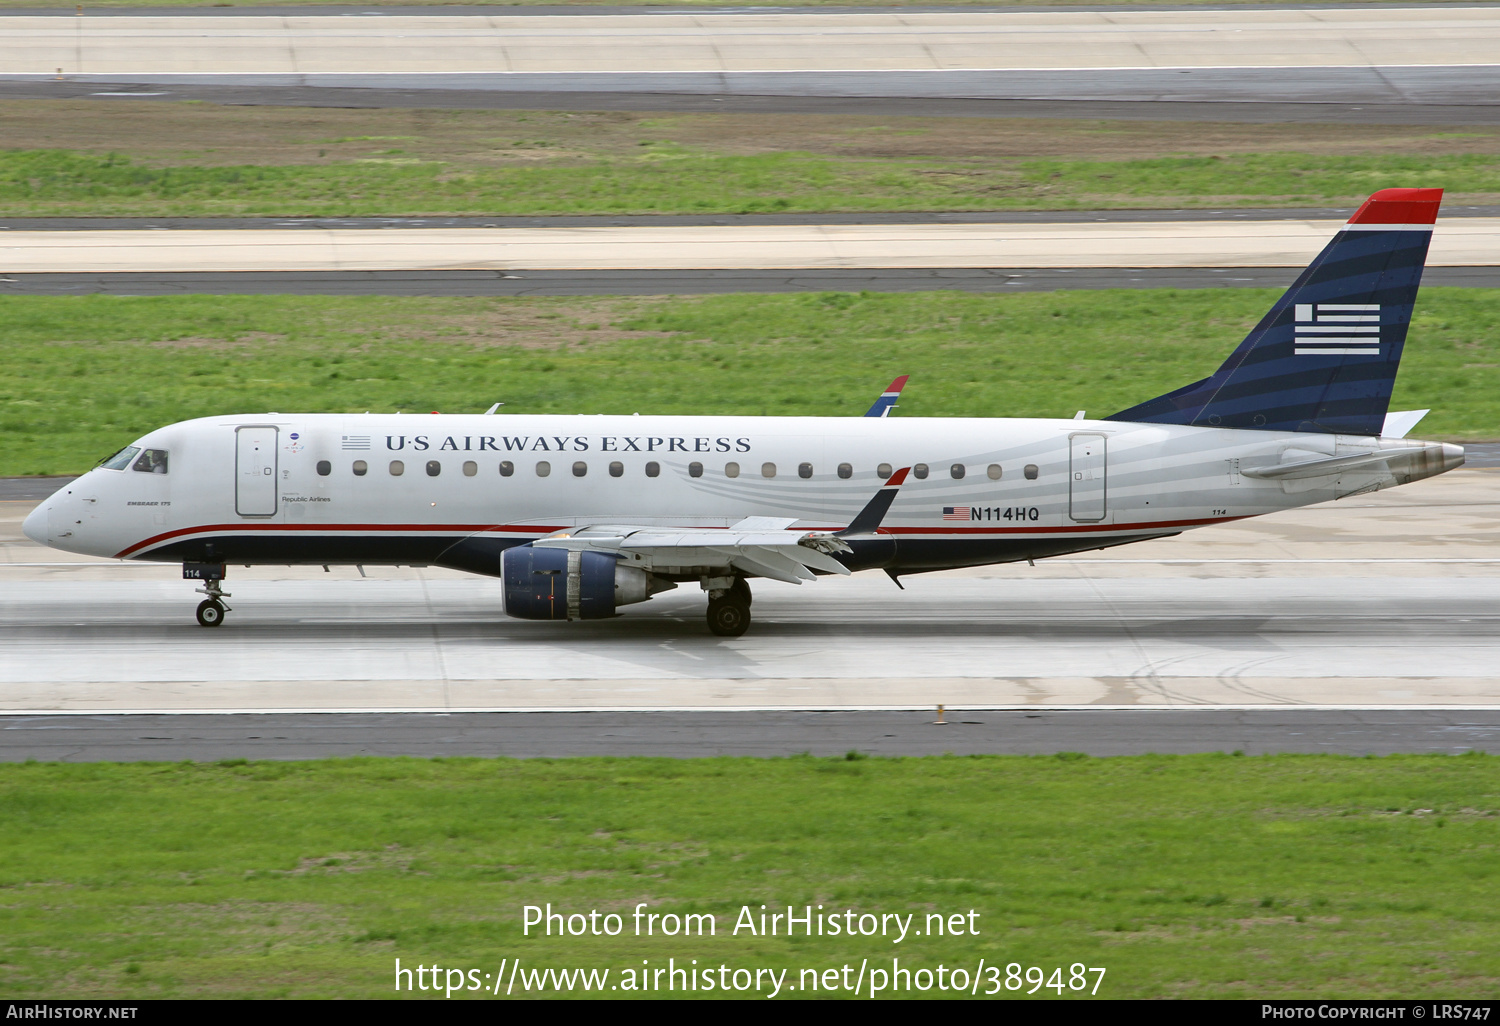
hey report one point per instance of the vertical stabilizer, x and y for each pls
(887, 400)
(1325, 358)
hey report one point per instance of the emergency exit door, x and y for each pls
(1086, 474)
(255, 472)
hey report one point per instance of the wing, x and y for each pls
(754, 547)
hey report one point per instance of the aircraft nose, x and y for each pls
(35, 524)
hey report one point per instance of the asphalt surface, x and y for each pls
(1241, 111)
(605, 10)
(122, 638)
(95, 738)
(523, 282)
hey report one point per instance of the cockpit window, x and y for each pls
(152, 461)
(121, 459)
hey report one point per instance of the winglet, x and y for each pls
(869, 518)
(887, 400)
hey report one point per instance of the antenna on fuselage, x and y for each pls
(492, 409)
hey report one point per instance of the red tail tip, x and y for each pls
(899, 477)
(1400, 206)
(898, 384)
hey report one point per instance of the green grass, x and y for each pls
(669, 178)
(82, 376)
(1191, 876)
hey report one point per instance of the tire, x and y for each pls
(210, 613)
(741, 591)
(728, 618)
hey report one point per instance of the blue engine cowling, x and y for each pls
(560, 584)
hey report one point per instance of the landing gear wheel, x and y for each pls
(741, 589)
(210, 613)
(728, 617)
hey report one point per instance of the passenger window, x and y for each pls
(994, 471)
(804, 470)
(919, 472)
(768, 470)
(580, 468)
(152, 461)
(434, 468)
(361, 468)
(731, 470)
(470, 468)
(1031, 471)
(543, 468)
(653, 469)
(324, 468)
(958, 471)
(507, 468)
(616, 469)
(695, 470)
(397, 468)
(845, 471)
(121, 459)
(883, 472)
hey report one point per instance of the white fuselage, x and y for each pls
(278, 488)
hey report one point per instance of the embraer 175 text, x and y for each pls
(579, 515)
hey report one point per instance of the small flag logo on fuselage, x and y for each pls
(356, 441)
(955, 512)
(1337, 329)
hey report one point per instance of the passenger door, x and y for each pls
(255, 471)
(1086, 477)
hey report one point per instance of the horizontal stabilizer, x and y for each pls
(1399, 423)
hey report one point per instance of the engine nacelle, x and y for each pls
(567, 584)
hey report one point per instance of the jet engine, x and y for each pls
(568, 584)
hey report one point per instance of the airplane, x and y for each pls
(581, 515)
(887, 401)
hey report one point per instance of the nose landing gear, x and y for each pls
(211, 612)
(212, 609)
(728, 607)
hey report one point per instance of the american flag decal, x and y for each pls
(955, 512)
(1338, 329)
(356, 441)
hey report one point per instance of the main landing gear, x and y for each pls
(212, 609)
(728, 606)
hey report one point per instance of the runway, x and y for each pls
(1388, 55)
(1247, 110)
(1388, 600)
(763, 734)
(654, 256)
(1458, 242)
(525, 282)
(1361, 627)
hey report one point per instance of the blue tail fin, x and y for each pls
(1325, 358)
